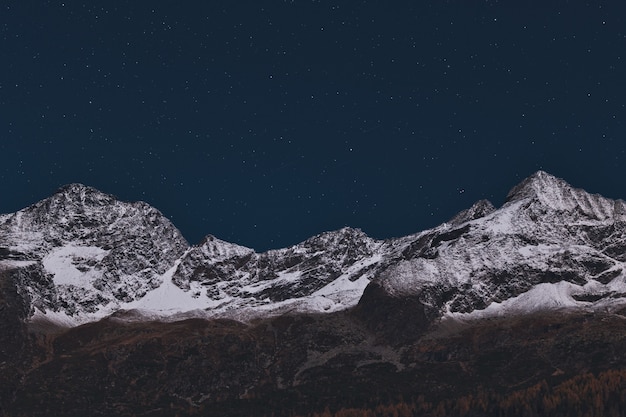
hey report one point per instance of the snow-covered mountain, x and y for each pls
(327, 272)
(86, 255)
(549, 246)
(88, 251)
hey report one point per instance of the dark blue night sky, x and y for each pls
(266, 122)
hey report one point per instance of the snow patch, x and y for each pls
(342, 292)
(73, 265)
(502, 221)
(541, 297)
(170, 299)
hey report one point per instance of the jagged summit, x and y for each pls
(81, 194)
(345, 235)
(77, 188)
(540, 184)
(74, 204)
(555, 193)
(218, 250)
(479, 209)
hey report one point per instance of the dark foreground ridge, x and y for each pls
(553, 363)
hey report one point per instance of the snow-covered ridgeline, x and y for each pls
(548, 239)
(549, 246)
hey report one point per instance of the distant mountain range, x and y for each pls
(339, 320)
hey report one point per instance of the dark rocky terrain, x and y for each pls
(297, 364)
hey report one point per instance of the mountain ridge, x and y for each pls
(98, 255)
(520, 301)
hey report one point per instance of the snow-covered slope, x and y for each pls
(87, 255)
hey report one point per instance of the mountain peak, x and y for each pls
(346, 236)
(537, 185)
(75, 187)
(556, 194)
(479, 209)
(84, 194)
(218, 249)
